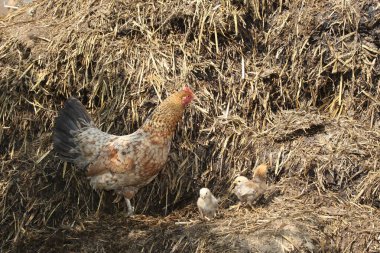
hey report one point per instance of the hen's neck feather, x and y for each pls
(165, 118)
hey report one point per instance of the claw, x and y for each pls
(117, 199)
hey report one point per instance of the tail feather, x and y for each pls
(76, 111)
(70, 121)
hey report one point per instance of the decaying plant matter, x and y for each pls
(293, 84)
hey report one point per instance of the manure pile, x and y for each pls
(295, 84)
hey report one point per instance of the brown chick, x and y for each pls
(207, 204)
(249, 191)
(120, 163)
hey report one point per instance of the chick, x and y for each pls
(249, 191)
(207, 204)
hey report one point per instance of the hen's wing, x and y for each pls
(130, 160)
(119, 155)
(91, 143)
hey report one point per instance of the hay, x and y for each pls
(291, 83)
(292, 222)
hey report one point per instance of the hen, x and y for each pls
(120, 163)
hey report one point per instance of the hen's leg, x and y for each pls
(128, 194)
(131, 209)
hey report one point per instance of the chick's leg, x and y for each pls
(237, 206)
(201, 213)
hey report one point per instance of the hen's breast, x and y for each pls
(153, 160)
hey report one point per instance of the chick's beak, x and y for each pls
(232, 187)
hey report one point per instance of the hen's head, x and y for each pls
(166, 116)
(182, 97)
(187, 96)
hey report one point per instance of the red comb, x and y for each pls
(187, 89)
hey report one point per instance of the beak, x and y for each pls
(196, 99)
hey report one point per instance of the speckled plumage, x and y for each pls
(120, 163)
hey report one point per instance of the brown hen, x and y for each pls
(120, 163)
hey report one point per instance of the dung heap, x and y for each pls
(295, 84)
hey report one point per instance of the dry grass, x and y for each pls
(295, 221)
(295, 84)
